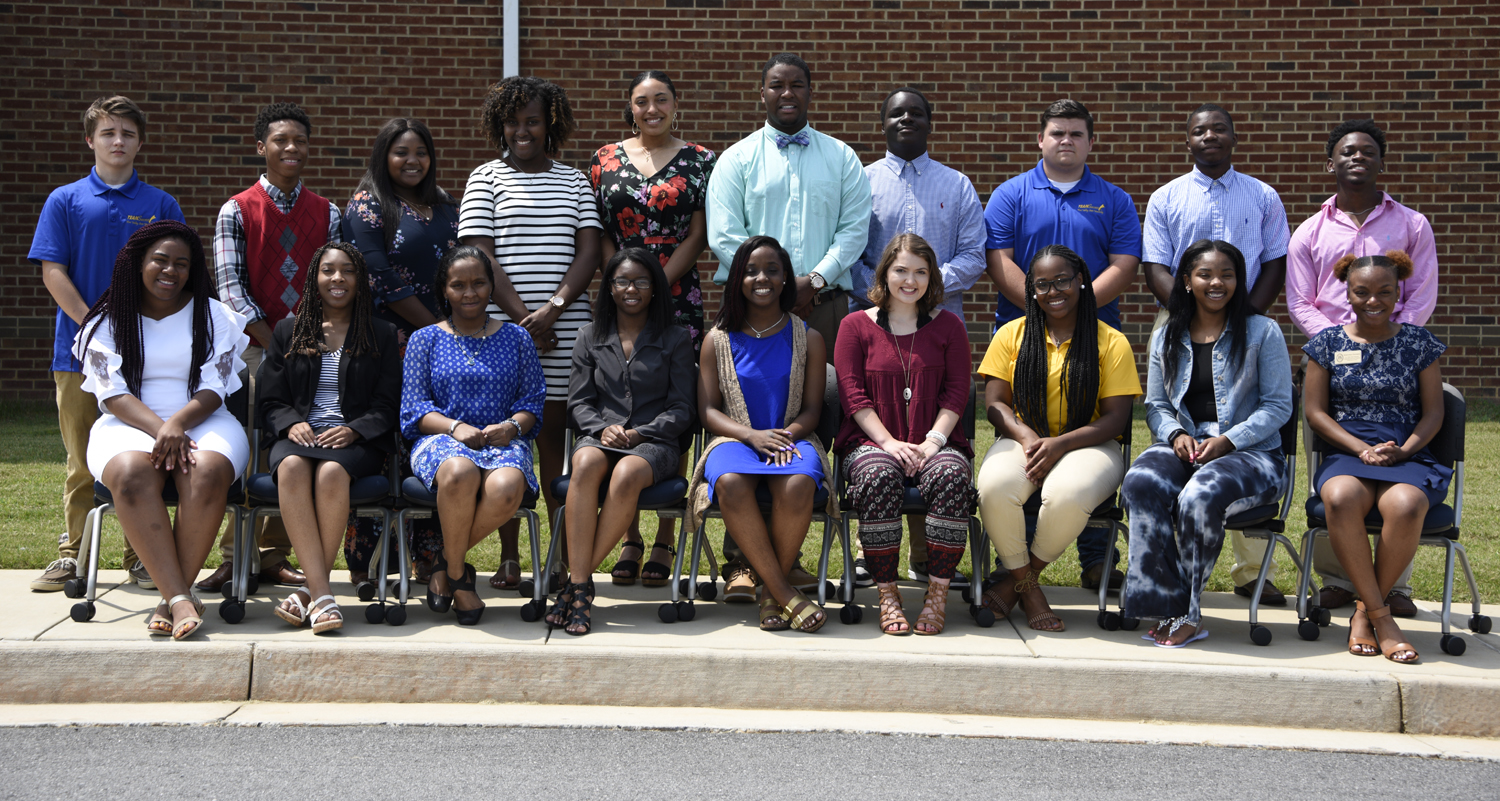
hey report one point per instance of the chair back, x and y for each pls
(1447, 445)
(1289, 428)
(966, 422)
(832, 417)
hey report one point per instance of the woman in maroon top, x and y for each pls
(904, 379)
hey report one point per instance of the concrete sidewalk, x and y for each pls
(722, 660)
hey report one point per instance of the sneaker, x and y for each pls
(862, 577)
(56, 575)
(141, 578)
(917, 571)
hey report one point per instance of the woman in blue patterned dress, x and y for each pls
(471, 403)
(1374, 393)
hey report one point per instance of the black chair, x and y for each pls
(666, 498)
(682, 608)
(911, 504)
(1439, 530)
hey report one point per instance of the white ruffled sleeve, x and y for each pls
(221, 371)
(101, 362)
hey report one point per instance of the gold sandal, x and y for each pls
(806, 616)
(892, 618)
(934, 608)
(772, 616)
(159, 624)
(189, 624)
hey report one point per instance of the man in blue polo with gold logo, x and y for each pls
(1061, 202)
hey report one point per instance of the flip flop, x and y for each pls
(1198, 635)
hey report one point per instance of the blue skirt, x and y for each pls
(1421, 470)
(737, 457)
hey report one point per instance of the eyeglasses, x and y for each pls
(622, 284)
(1045, 287)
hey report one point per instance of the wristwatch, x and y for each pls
(557, 300)
(818, 281)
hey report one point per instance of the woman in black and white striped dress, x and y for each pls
(540, 219)
(330, 390)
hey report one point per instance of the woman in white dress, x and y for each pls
(541, 220)
(161, 354)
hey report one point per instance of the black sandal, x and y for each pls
(557, 616)
(631, 567)
(435, 602)
(658, 567)
(466, 617)
(580, 610)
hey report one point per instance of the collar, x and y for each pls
(1331, 209)
(647, 336)
(278, 195)
(99, 187)
(772, 132)
(1205, 183)
(897, 165)
(1039, 179)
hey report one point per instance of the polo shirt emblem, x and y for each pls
(1099, 209)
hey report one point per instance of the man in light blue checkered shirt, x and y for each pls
(1215, 201)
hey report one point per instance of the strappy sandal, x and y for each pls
(296, 615)
(995, 602)
(1026, 585)
(892, 617)
(772, 616)
(466, 617)
(663, 571)
(319, 615)
(189, 624)
(934, 608)
(435, 601)
(806, 616)
(508, 577)
(626, 570)
(1362, 646)
(1394, 652)
(557, 616)
(580, 611)
(159, 624)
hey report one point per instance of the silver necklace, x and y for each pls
(480, 335)
(759, 332)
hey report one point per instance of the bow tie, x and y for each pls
(800, 139)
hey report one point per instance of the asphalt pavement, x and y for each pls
(434, 762)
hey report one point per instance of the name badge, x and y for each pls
(1347, 357)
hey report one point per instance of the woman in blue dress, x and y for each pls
(760, 391)
(471, 402)
(1374, 393)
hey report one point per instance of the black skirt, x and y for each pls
(359, 459)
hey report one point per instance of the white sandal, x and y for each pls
(192, 622)
(315, 611)
(295, 617)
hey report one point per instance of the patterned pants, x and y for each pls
(877, 485)
(1177, 515)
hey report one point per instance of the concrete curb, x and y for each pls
(116, 672)
(1449, 705)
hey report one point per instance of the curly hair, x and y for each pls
(307, 329)
(1394, 260)
(506, 99)
(880, 290)
(276, 112)
(1347, 127)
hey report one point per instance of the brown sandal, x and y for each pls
(806, 616)
(892, 617)
(772, 616)
(1361, 646)
(994, 601)
(1047, 616)
(934, 608)
(1392, 653)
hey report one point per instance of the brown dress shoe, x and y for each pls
(1332, 597)
(282, 573)
(1401, 605)
(218, 578)
(1269, 594)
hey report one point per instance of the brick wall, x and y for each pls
(1288, 69)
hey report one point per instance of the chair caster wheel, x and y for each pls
(1260, 635)
(1321, 616)
(850, 614)
(227, 591)
(667, 613)
(1479, 624)
(1454, 645)
(366, 591)
(73, 588)
(983, 617)
(527, 588)
(967, 594)
(82, 612)
(830, 590)
(393, 588)
(708, 590)
(375, 614)
(1109, 621)
(232, 611)
(1129, 623)
(530, 613)
(682, 587)
(685, 611)
(252, 586)
(1308, 630)
(555, 583)
(395, 615)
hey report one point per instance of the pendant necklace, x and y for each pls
(481, 335)
(759, 332)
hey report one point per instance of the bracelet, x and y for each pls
(454, 427)
(515, 423)
(939, 437)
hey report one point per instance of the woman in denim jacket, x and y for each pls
(1218, 390)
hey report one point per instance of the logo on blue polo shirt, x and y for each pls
(1099, 209)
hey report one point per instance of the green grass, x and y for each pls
(31, 474)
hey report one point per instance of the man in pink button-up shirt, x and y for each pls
(1363, 220)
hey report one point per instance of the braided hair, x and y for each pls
(1080, 374)
(506, 99)
(120, 305)
(307, 327)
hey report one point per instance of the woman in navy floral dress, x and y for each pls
(1374, 393)
(651, 189)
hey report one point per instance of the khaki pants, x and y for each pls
(1247, 553)
(272, 531)
(1077, 484)
(76, 412)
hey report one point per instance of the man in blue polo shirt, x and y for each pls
(1061, 202)
(82, 227)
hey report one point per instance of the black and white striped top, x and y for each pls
(534, 219)
(326, 411)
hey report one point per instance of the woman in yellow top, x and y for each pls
(1059, 385)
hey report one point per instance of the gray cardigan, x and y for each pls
(654, 393)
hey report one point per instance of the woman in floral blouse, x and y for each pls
(651, 190)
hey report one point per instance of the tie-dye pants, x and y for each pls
(1177, 515)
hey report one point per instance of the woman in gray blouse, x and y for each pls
(631, 396)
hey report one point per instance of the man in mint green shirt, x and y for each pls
(805, 188)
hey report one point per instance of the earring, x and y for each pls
(676, 118)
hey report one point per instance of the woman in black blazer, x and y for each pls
(330, 388)
(631, 394)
